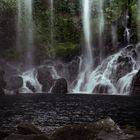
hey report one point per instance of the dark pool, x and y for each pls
(52, 111)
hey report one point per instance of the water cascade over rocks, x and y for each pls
(115, 74)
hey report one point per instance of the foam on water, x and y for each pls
(30, 76)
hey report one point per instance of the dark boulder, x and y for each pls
(60, 86)
(26, 137)
(100, 88)
(104, 87)
(45, 78)
(27, 129)
(14, 83)
(30, 86)
(135, 86)
(105, 129)
(2, 82)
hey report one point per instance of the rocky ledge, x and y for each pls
(105, 129)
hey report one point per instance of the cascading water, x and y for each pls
(30, 77)
(87, 60)
(101, 23)
(25, 42)
(113, 76)
(25, 38)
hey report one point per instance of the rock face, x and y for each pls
(45, 78)
(100, 88)
(30, 86)
(105, 129)
(135, 86)
(102, 130)
(73, 68)
(27, 129)
(124, 66)
(60, 87)
(14, 83)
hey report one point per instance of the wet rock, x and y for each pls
(30, 86)
(60, 86)
(27, 129)
(105, 129)
(14, 83)
(124, 65)
(45, 78)
(108, 125)
(26, 137)
(100, 88)
(73, 68)
(135, 86)
(2, 82)
(75, 132)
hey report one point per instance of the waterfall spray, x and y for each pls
(87, 33)
(25, 30)
(101, 27)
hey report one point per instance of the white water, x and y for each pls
(30, 76)
(124, 84)
(25, 37)
(87, 60)
(101, 23)
(104, 77)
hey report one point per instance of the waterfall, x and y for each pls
(30, 76)
(87, 60)
(127, 30)
(52, 21)
(87, 33)
(25, 38)
(124, 84)
(86, 66)
(101, 23)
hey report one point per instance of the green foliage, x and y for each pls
(67, 27)
(6, 4)
(66, 50)
(114, 10)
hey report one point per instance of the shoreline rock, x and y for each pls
(105, 129)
